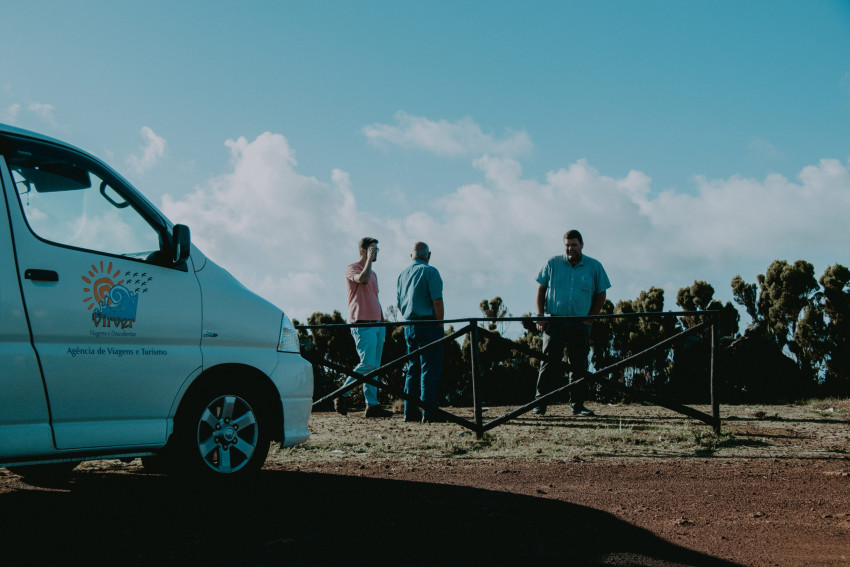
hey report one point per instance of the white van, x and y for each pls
(118, 339)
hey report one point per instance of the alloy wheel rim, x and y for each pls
(227, 434)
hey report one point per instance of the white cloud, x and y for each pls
(491, 238)
(443, 138)
(152, 149)
(762, 150)
(500, 232)
(11, 113)
(43, 111)
(289, 236)
(284, 234)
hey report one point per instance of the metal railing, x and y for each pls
(710, 320)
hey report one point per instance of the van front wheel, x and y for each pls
(224, 434)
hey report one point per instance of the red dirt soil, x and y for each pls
(643, 512)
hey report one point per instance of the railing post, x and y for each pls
(475, 363)
(715, 386)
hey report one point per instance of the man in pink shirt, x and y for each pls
(364, 307)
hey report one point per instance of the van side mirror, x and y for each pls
(181, 243)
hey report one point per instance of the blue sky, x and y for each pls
(686, 140)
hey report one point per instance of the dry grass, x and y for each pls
(812, 429)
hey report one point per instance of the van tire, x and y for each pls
(223, 432)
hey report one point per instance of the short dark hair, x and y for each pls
(367, 241)
(573, 234)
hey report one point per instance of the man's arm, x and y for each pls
(595, 306)
(364, 276)
(438, 308)
(541, 305)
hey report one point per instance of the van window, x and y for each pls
(70, 204)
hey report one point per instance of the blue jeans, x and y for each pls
(423, 372)
(369, 342)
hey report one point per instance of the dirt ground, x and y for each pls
(779, 496)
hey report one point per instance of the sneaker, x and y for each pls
(580, 411)
(539, 410)
(376, 411)
(341, 406)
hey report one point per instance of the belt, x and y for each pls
(427, 318)
(371, 321)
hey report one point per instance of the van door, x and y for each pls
(24, 421)
(116, 326)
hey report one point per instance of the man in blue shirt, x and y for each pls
(420, 298)
(570, 285)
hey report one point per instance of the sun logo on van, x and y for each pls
(112, 298)
(99, 282)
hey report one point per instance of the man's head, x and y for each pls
(366, 243)
(421, 252)
(573, 244)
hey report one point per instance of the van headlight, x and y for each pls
(288, 340)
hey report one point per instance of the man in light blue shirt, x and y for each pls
(569, 285)
(420, 298)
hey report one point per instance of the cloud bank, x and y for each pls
(289, 236)
(285, 235)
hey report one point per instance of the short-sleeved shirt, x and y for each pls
(570, 289)
(363, 304)
(419, 285)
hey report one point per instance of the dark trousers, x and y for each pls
(423, 372)
(576, 337)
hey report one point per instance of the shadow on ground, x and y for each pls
(297, 518)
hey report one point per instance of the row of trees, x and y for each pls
(796, 346)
